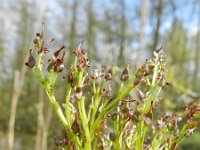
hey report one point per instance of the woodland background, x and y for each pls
(115, 32)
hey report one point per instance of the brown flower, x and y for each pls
(31, 60)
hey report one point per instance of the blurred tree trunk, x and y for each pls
(46, 126)
(73, 32)
(64, 24)
(24, 35)
(13, 109)
(2, 41)
(3, 69)
(90, 33)
(159, 10)
(142, 35)
(40, 119)
(23, 32)
(122, 32)
(16, 94)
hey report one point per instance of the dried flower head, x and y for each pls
(125, 74)
(31, 60)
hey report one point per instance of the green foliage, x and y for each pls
(178, 52)
(192, 143)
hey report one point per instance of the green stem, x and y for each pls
(95, 143)
(155, 74)
(61, 116)
(94, 86)
(83, 116)
(110, 107)
(67, 102)
(84, 119)
(114, 103)
(58, 109)
(75, 64)
(148, 100)
(121, 87)
(80, 78)
(118, 141)
(157, 94)
(96, 99)
(149, 94)
(95, 108)
(140, 133)
(181, 134)
(117, 124)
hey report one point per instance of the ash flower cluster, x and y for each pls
(100, 113)
(56, 64)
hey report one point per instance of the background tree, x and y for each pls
(21, 47)
(90, 34)
(158, 6)
(143, 30)
(122, 32)
(197, 49)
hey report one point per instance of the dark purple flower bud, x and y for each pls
(56, 53)
(125, 74)
(31, 60)
(81, 53)
(36, 40)
(59, 66)
(57, 140)
(78, 89)
(38, 35)
(147, 140)
(75, 127)
(108, 76)
(102, 71)
(50, 67)
(112, 136)
(83, 64)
